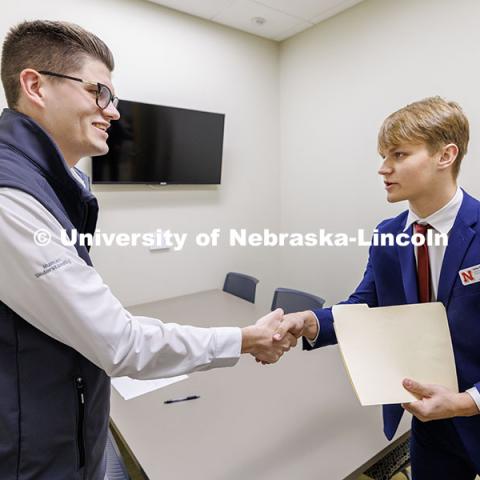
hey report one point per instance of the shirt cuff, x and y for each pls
(228, 345)
(312, 342)
(475, 394)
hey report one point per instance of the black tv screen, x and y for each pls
(154, 144)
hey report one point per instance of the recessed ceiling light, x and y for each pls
(259, 21)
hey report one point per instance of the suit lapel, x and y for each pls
(406, 256)
(459, 240)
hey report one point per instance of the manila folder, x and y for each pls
(382, 346)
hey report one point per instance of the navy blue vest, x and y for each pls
(54, 403)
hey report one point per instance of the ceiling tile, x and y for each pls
(339, 7)
(203, 8)
(240, 13)
(285, 18)
(307, 9)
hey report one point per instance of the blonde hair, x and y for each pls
(433, 121)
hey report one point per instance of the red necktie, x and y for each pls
(423, 266)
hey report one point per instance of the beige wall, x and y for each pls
(300, 137)
(168, 58)
(338, 81)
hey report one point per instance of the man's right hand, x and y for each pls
(258, 339)
(298, 324)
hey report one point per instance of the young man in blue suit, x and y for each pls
(422, 146)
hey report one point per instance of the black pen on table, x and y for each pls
(176, 400)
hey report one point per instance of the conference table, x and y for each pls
(298, 418)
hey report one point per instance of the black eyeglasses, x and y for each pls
(104, 95)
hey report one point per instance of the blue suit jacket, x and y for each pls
(390, 279)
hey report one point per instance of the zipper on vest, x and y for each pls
(80, 386)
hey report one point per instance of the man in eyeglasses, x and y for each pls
(62, 331)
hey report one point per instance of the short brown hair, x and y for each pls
(47, 45)
(432, 121)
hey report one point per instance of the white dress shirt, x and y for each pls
(73, 305)
(442, 222)
(77, 177)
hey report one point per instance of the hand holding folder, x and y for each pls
(382, 346)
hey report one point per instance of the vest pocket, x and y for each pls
(80, 389)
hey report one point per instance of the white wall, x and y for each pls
(300, 138)
(339, 80)
(303, 116)
(317, 99)
(168, 58)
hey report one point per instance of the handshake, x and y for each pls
(275, 333)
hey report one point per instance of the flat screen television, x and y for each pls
(154, 144)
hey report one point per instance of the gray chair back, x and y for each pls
(241, 285)
(291, 300)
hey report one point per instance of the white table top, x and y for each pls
(295, 419)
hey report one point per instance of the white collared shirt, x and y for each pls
(77, 177)
(73, 305)
(441, 221)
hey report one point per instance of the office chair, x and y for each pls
(241, 285)
(295, 300)
(396, 461)
(116, 469)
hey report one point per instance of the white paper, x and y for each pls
(130, 388)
